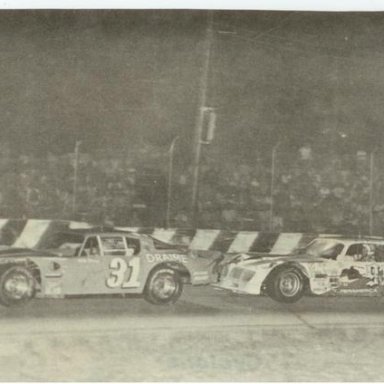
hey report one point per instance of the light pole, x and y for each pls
(170, 177)
(371, 186)
(272, 184)
(75, 175)
(200, 115)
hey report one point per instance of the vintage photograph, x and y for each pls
(191, 195)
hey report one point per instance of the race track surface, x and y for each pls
(208, 335)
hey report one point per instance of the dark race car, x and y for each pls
(103, 263)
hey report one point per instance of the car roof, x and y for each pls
(349, 240)
(121, 233)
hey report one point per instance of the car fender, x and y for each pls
(180, 268)
(288, 264)
(26, 263)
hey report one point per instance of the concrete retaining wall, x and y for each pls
(32, 233)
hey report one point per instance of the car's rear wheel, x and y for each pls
(17, 286)
(163, 286)
(286, 285)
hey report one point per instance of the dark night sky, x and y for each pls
(111, 78)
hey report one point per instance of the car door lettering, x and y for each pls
(161, 257)
(124, 274)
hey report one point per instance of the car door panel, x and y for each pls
(81, 276)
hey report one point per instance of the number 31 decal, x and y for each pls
(124, 274)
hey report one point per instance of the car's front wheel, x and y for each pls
(17, 286)
(163, 286)
(286, 285)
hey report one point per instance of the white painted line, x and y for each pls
(204, 238)
(164, 234)
(128, 229)
(3, 222)
(243, 242)
(79, 225)
(286, 243)
(32, 233)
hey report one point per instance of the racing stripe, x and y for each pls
(165, 235)
(32, 232)
(48, 239)
(204, 238)
(11, 230)
(286, 243)
(223, 241)
(264, 242)
(243, 241)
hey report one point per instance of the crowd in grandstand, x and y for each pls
(311, 192)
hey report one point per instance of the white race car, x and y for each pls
(327, 266)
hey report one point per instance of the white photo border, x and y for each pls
(278, 5)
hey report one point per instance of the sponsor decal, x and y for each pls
(160, 257)
(349, 276)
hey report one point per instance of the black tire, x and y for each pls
(17, 286)
(286, 285)
(163, 286)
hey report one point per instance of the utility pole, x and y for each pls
(203, 89)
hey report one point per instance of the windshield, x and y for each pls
(324, 248)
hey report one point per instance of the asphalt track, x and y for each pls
(197, 307)
(52, 334)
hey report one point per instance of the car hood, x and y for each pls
(251, 263)
(9, 252)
